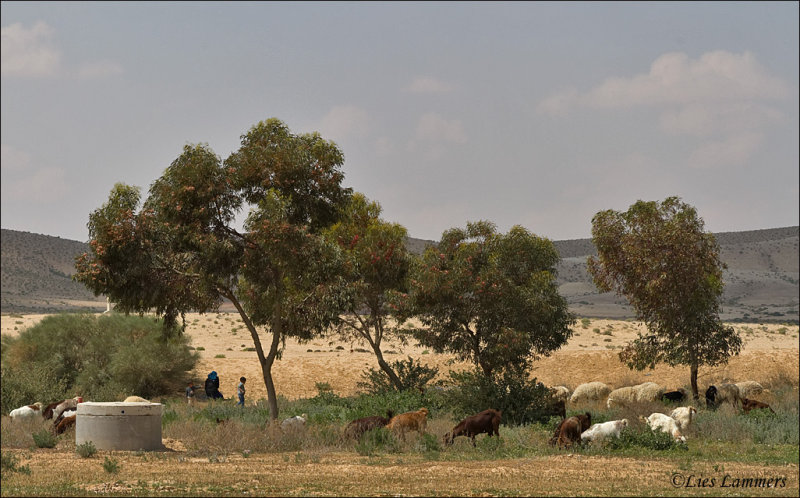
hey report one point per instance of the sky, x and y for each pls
(522, 113)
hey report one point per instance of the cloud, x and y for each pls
(45, 186)
(14, 160)
(675, 79)
(424, 84)
(100, 69)
(432, 127)
(343, 122)
(735, 150)
(28, 52)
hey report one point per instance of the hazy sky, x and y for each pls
(537, 114)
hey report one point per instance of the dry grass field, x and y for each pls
(770, 356)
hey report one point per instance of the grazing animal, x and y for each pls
(598, 432)
(589, 392)
(47, 413)
(64, 414)
(296, 423)
(561, 393)
(649, 391)
(716, 395)
(674, 396)
(65, 423)
(409, 421)
(749, 388)
(359, 426)
(135, 399)
(665, 423)
(569, 432)
(585, 420)
(751, 404)
(54, 410)
(487, 421)
(27, 412)
(683, 416)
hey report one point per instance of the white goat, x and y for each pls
(665, 423)
(27, 412)
(294, 424)
(683, 416)
(598, 432)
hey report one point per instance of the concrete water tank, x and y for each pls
(119, 426)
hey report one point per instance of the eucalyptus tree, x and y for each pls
(660, 258)
(375, 275)
(180, 250)
(490, 298)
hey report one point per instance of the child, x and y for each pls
(240, 391)
(190, 393)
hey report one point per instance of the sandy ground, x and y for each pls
(590, 355)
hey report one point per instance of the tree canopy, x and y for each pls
(182, 251)
(660, 258)
(491, 298)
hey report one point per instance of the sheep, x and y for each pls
(683, 416)
(649, 391)
(409, 421)
(716, 395)
(591, 391)
(561, 393)
(27, 412)
(665, 423)
(135, 399)
(598, 432)
(749, 388)
(294, 424)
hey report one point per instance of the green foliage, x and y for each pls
(660, 258)
(411, 374)
(44, 439)
(9, 463)
(86, 449)
(490, 298)
(102, 358)
(111, 465)
(521, 401)
(646, 438)
(377, 440)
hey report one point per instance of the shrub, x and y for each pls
(86, 450)
(413, 376)
(8, 463)
(44, 439)
(98, 357)
(111, 465)
(376, 440)
(521, 401)
(644, 437)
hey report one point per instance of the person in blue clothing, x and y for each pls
(240, 391)
(212, 386)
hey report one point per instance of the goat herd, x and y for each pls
(571, 430)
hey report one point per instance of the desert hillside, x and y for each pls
(761, 281)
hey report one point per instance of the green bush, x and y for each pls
(86, 450)
(644, 437)
(413, 375)
(521, 401)
(376, 440)
(101, 358)
(111, 465)
(8, 463)
(44, 439)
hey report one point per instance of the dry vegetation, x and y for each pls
(236, 459)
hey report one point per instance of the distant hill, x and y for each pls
(761, 282)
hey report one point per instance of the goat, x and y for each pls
(361, 425)
(683, 416)
(27, 412)
(598, 432)
(65, 423)
(751, 404)
(585, 420)
(294, 424)
(409, 421)
(487, 421)
(674, 396)
(665, 423)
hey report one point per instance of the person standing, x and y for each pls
(240, 391)
(190, 393)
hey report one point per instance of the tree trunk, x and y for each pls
(695, 392)
(393, 378)
(265, 361)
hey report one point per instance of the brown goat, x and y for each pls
(564, 437)
(751, 404)
(487, 421)
(359, 426)
(409, 421)
(65, 424)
